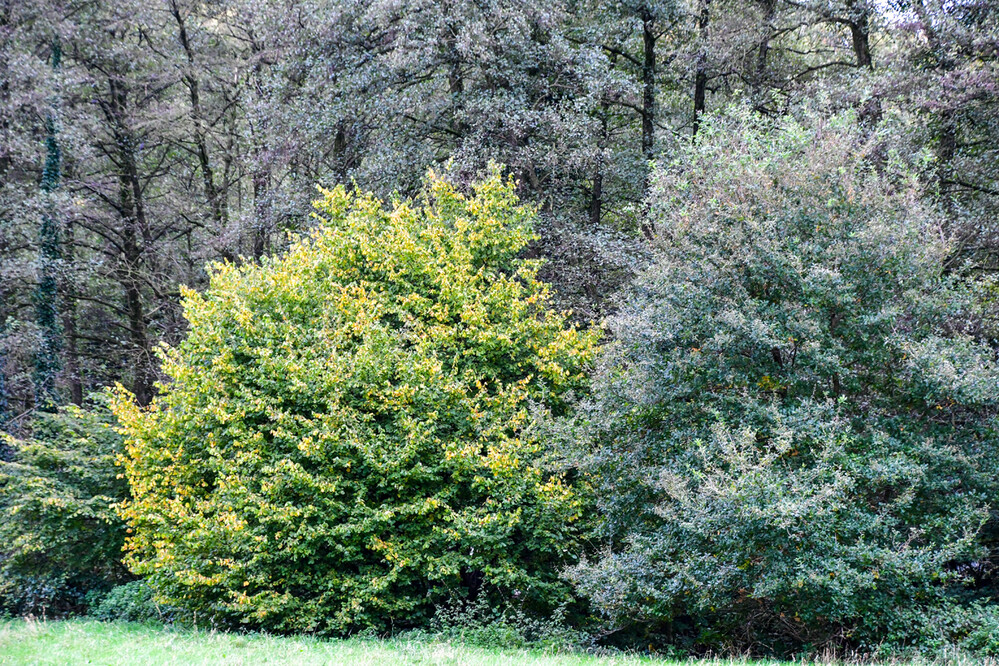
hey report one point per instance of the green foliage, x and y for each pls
(793, 437)
(961, 626)
(135, 601)
(60, 538)
(345, 437)
(481, 624)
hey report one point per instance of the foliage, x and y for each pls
(794, 433)
(62, 540)
(195, 131)
(797, 300)
(135, 601)
(480, 624)
(345, 439)
(961, 626)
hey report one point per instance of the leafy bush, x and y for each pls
(135, 602)
(60, 538)
(793, 439)
(482, 624)
(345, 437)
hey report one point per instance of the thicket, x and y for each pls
(793, 434)
(787, 443)
(345, 441)
(60, 537)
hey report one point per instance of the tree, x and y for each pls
(794, 429)
(47, 360)
(945, 69)
(345, 439)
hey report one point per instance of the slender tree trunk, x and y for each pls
(597, 190)
(947, 133)
(701, 71)
(261, 209)
(47, 358)
(133, 221)
(946, 150)
(343, 161)
(763, 51)
(69, 321)
(261, 178)
(5, 163)
(860, 32)
(648, 82)
(648, 103)
(212, 194)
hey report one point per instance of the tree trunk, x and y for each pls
(215, 200)
(597, 190)
(261, 171)
(648, 82)
(763, 51)
(69, 322)
(701, 73)
(261, 209)
(597, 196)
(860, 29)
(133, 220)
(47, 358)
(946, 149)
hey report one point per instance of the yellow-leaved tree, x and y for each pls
(345, 441)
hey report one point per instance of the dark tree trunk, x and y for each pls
(860, 32)
(597, 190)
(133, 224)
(47, 358)
(261, 209)
(701, 72)
(597, 197)
(946, 150)
(261, 172)
(69, 322)
(648, 82)
(763, 51)
(216, 202)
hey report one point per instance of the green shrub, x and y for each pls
(484, 625)
(978, 633)
(345, 440)
(793, 439)
(60, 538)
(135, 602)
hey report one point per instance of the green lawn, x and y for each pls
(25, 643)
(30, 643)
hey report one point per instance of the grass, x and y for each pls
(62, 643)
(70, 642)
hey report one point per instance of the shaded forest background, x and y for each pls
(140, 140)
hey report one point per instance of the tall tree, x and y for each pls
(47, 316)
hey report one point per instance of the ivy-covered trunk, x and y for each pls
(47, 362)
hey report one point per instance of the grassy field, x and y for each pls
(24, 643)
(66, 643)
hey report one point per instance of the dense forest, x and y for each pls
(677, 320)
